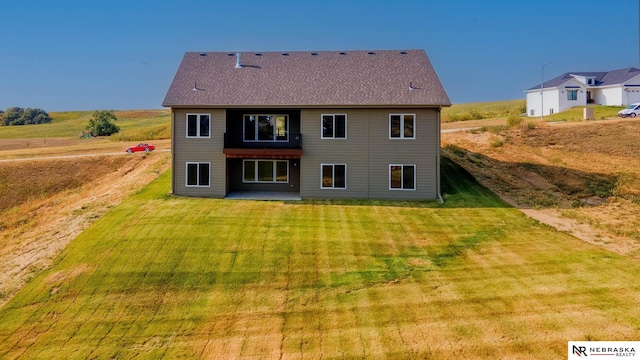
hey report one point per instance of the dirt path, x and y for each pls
(56, 221)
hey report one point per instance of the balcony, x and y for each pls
(235, 146)
(237, 141)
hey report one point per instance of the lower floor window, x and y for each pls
(265, 171)
(198, 174)
(334, 176)
(402, 177)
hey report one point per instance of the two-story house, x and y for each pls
(326, 124)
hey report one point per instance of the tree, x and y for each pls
(20, 116)
(101, 123)
(12, 115)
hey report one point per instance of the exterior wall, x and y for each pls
(367, 151)
(611, 96)
(564, 103)
(351, 151)
(555, 99)
(534, 102)
(422, 151)
(207, 150)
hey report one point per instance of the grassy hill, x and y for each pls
(165, 277)
(514, 108)
(134, 125)
(483, 110)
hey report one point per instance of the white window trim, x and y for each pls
(415, 175)
(186, 174)
(334, 127)
(334, 177)
(402, 137)
(255, 130)
(275, 172)
(198, 126)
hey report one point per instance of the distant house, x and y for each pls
(617, 87)
(326, 124)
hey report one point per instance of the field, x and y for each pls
(134, 125)
(484, 110)
(582, 176)
(155, 276)
(514, 108)
(60, 137)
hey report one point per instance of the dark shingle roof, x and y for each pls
(602, 78)
(323, 78)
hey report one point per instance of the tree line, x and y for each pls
(20, 116)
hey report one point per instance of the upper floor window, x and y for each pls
(266, 127)
(334, 176)
(402, 177)
(198, 125)
(198, 174)
(334, 126)
(402, 126)
(572, 94)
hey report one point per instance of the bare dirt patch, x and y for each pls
(25, 181)
(38, 229)
(582, 178)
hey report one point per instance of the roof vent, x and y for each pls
(203, 54)
(285, 54)
(230, 54)
(258, 54)
(314, 54)
(403, 52)
(238, 64)
(371, 53)
(343, 53)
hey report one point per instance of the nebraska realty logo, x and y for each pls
(603, 349)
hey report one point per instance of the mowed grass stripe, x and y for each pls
(164, 277)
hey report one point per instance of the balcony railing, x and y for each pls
(237, 141)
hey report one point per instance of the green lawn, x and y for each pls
(165, 277)
(600, 112)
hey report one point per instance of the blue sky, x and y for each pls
(113, 54)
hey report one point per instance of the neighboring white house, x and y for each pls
(617, 88)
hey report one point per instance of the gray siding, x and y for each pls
(209, 150)
(368, 151)
(351, 151)
(421, 151)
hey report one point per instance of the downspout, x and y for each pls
(368, 157)
(438, 158)
(173, 153)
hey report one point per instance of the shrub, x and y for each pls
(514, 120)
(101, 123)
(497, 141)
